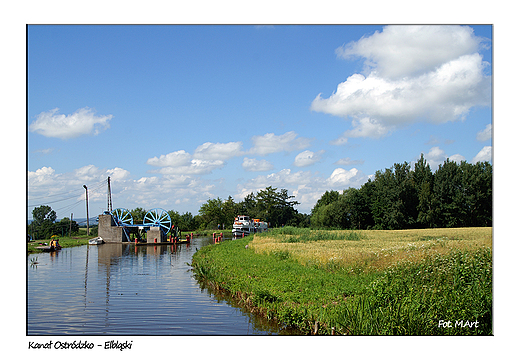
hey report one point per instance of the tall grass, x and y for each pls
(417, 298)
(432, 277)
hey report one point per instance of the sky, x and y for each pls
(179, 114)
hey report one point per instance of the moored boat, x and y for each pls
(96, 241)
(243, 226)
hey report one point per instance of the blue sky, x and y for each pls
(176, 115)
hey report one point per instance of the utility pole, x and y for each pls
(70, 225)
(109, 197)
(86, 198)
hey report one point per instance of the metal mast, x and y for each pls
(109, 196)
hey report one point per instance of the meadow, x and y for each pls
(371, 282)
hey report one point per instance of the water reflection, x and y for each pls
(124, 289)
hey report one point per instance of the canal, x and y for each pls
(123, 289)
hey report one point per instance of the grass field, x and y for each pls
(409, 282)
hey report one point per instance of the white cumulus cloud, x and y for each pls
(426, 73)
(485, 134)
(307, 158)
(256, 165)
(271, 143)
(42, 176)
(341, 178)
(82, 122)
(436, 156)
(218, 151)
(206, 158)
(195, 167)
(406, 50)
(176, 158)
(118, 174)
(486, 154)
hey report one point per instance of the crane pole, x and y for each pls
(109, 197)
(86, 199)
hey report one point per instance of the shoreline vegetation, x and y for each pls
(362, 282)
(82, 239)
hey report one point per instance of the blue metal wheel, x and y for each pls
(158, 217)
(122, 217)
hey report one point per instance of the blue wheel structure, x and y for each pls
(158, 217)
(122, 217)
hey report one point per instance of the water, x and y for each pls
(123, 289)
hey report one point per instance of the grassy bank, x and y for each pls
(361, 283)
(77, 240)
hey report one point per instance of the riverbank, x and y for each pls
(83, 238)
(65, 242)
(408, 282)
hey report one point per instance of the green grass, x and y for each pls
(78, 240)
(405, 297)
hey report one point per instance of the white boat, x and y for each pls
(243, 226)
(96, 241)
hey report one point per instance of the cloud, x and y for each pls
(43, 176)
(402, 51)
(347, 161)
(44, 151)
(307, 158)
(271, 143)
(364, 127)
(341, 178)
(118, 174)
(429, 74)
(82, 122)
(218, 151)
(256, 165)
(485, 134)
(436, 156)
(206, 158)
(147, 192)
(195, 167)
(63, 189)
(176, 158)
(486, 154)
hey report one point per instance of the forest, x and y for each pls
(455, 195)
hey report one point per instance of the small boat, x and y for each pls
(96, 241)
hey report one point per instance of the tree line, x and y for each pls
(455, 195)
